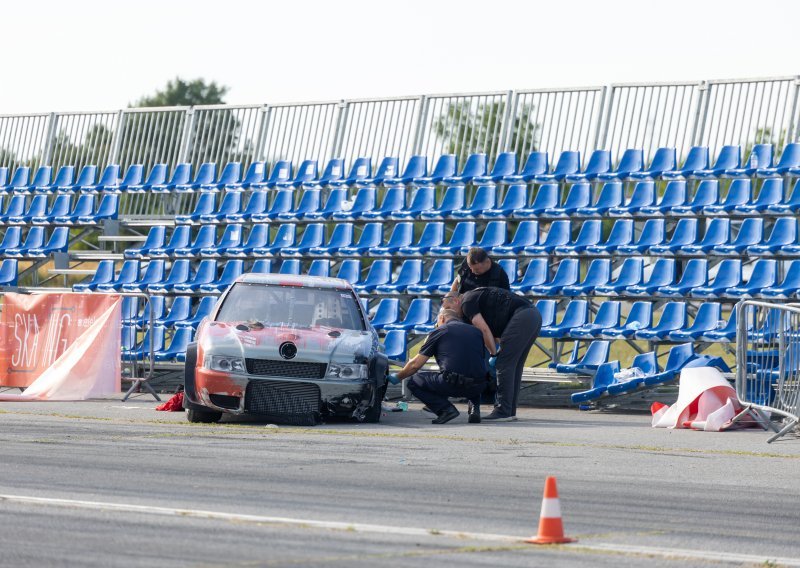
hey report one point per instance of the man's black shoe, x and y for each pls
(474, 414)
(497, 416)
(445, 415)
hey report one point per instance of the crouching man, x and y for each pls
(459, 351)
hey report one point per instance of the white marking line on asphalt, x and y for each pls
(385, 529)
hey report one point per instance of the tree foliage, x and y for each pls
(185, 93)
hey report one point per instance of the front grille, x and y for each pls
(284, 399)
(289, 369)
(224, 401)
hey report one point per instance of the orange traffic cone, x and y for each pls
(551, 530)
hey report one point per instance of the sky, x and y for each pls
(98, 55)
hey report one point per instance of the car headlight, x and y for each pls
(339, 371)
(224, 363)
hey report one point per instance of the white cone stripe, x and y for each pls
(551, 508)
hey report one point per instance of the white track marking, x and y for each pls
(664, 552)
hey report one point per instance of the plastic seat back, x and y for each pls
(320, 267)
(261, 266)
(350, 270)
(547, 309)
(290, 266)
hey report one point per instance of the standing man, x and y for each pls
(479, 271)
(458, 349)
(498, 313)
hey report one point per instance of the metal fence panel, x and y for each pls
(651, 116)
(222, 134)
(300, 132)
(82, 139)
(747, 112)
(554, 120)
(23, 140)
(150, 136)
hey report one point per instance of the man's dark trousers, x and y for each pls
(431, 388)
(515, 344)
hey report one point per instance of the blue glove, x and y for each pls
(393, 378)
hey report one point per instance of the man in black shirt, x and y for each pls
(479, 271)
(458, 349)
(511, 318)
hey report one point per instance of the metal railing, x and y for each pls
(768, 362)
(637, 115)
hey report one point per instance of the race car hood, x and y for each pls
(318, 344)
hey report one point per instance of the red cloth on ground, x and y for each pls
(175, 404)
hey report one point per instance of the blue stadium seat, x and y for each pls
(511, 268)
(452, 200)
(610, 196)
(788, 287)
(590, 234)
(364, 201)
(178, 274)
(182, 174)
(603, 378)
(281, 175)
(62, 182)
(206, 237)
(673, 317)
(232, 237)
(546, 197)
(231, 175)
(621, 234)
(599, 163)
(350, 270)
(360, 170)
(103, 274)
(313, 236)
(484, 199)
(729, 157)
(231, 204)
(283, 208)
(536, 164)
(771, 194)
(474, 166)
(494, 234)
(419, 313)
(59, 208)
(569, 162)
(132, 178)
(402, 236)
(527, 234)
(662, 274)
(632, 161)
(156, 238)
(575, 315)
(729, 274)
(764, 274)
(674, 196)
(463, 237)
(707, 319)
(334, 204)
(723, 333)
(107, 210)
(177, 346)
(19, 181)
(647, 363)
(127, 274)
(432, 236)
(718, 232)
(559, 234)
(750, 234)
(598, 274)
(790, 158)
(387, 312)
(107, 179)
(630, 273)
(180, 310)
(696, 159)
(132, 315)
(153, 273)
(579, 195)
(14, 208)
(504, 165)
(3, 178)
(596, 354)
(516, 197)
(256, 205)
(261, 266)
(157, 176)
(255, 175)
(204, 309)
(393, 200)
(205, 206)
(706, 195)
(41, 181)
(206, 274)
(536, 273)
(341, 237)
(37, 208)
(760, 157)
(685, 233)
(664, 160)
(371, 237)
(394, 345)
(33, 240)
(739, 193)
(784, 233)
(334, 171)
(205, 175)
(677, 358)
(695, 274)
(380, 272)
(416, 167)
(142, 350)
(387, 171)
(84, 206)
(567, 273)
(445, 167)
(639, 317)
(87, 176)
(230, 272)
(421, 200)
(547, 308)
(607, 317)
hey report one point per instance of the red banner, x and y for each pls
(36, 330)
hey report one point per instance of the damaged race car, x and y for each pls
(294, 349)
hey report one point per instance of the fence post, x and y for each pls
(790, 134)
(509, 119)
(699, 125)
(188, 128)
(422, 118)
(603, 92)
(262, 134)
(52, 128)
(338, 136)
(116, 144)
(605, 119)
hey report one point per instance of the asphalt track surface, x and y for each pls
(105, 483)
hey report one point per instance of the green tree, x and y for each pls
(185, 93)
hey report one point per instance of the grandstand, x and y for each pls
(635, 216)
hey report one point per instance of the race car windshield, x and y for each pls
(290, 306)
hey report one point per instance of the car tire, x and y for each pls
(373, 413)
(196, 415)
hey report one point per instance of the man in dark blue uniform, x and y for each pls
(461, 356)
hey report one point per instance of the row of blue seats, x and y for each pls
(60, 211)
(183, 311)
(718, 239)
(707, 200)
(36, 244)
(135, 349)
(631, 166)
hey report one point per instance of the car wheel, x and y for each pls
(373, 414)
(203, 416)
